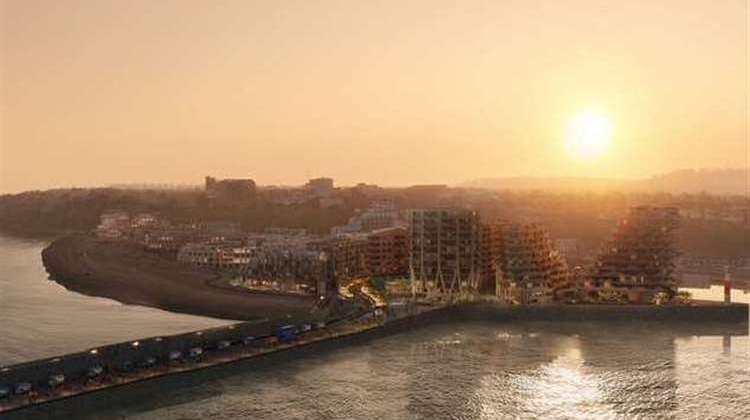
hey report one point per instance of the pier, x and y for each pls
(94, 370)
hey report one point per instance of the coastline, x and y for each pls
(130, 275)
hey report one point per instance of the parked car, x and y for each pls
(95, 371)
(22, 388)
(56, 380)
(149, 362)
(286, 333)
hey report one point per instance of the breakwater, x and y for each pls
(120, 364)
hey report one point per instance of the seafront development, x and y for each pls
(384, 272)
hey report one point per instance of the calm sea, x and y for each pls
(39, 318)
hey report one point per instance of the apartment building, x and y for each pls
(388, 252)
(640, 257)
(444, 249)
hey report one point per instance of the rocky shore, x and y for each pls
(128, 274)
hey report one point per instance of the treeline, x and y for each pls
(56, 212)
(588, 217)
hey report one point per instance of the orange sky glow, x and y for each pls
(388, 92)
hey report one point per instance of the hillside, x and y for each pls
(690, 181)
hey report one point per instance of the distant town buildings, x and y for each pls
(113, 225)
(381, 213)
(437, 252)
(119, 225)
(227, 192)
(320, 189)
(221, 256)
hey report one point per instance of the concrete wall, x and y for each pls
(115, 357)
(703, 320)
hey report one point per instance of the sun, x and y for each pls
(588, 135)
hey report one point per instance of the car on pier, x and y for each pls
(126, 366)
(286, 333)
(195, 352)
(149, 362)
(223, 344)
(248, 340)
(4, 392)
(175, 355)
(56, 380)
(22, 388)
(95, 371)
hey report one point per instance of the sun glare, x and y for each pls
(588, 135)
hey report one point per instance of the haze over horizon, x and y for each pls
(98, 93)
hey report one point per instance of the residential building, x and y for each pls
(299, 271)
(113, 225)
(640, 257)
(219, 256)
(227, 192)
(320, 187)
(531, 269)
(381, 213)
(388, 252)
(444, 248)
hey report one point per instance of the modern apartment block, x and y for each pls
(113, 225)
(444, 249)
(299, 271)
(388, 252)
(531, 269)
(490, 257)
(347, 256)
(640, 257)
(220, 256)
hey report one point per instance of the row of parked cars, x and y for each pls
(284, 333)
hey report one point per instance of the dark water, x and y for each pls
(471, 370)
(39, 318)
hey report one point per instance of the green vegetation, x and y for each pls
(588, 217)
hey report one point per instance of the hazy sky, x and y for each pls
(390, 92)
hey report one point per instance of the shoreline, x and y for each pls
(130, 275)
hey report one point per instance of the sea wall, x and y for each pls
(712, 319)
(128, 355)
(708, 312)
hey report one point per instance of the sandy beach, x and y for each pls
(128, 274)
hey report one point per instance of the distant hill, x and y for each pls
(712, 181)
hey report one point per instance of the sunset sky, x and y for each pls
(387, 92)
